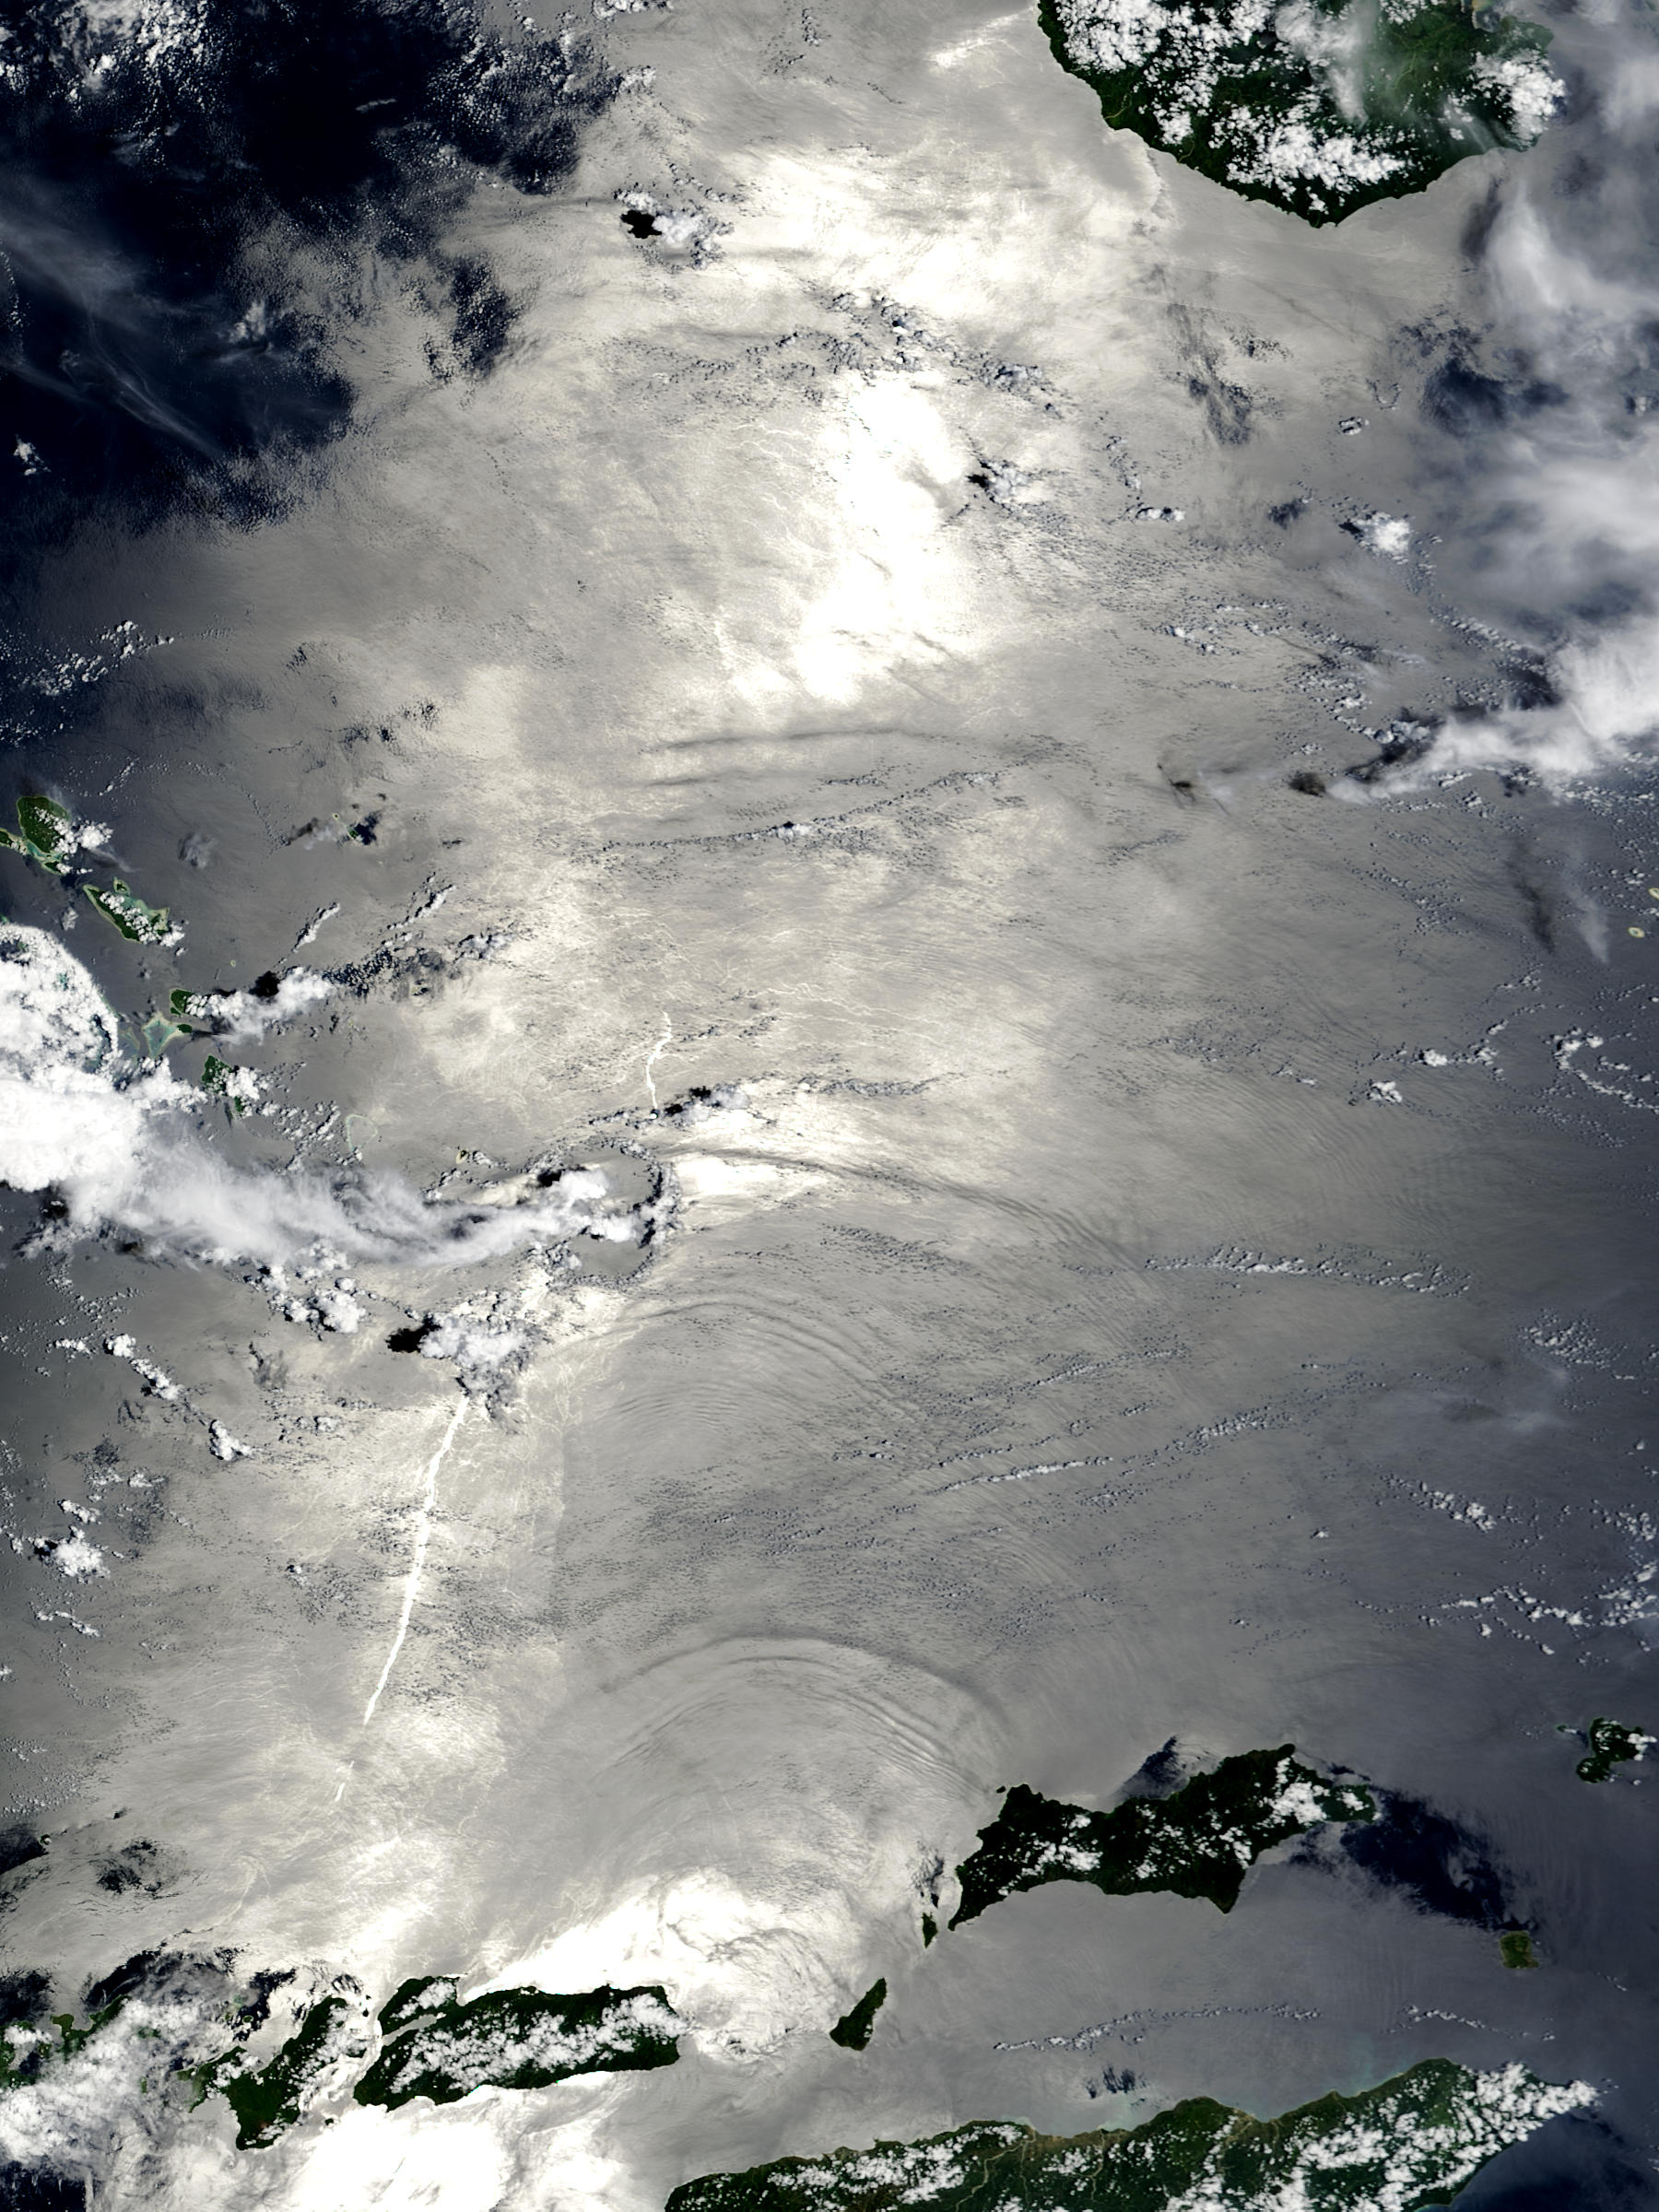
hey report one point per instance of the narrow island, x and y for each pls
(124, 909)
(1200, 1841)
(28, 2051)
(512, 2038)
(1411, 2142)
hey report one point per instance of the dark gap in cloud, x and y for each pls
(133, 1868)
(1482, 219)
(483, 315)
(1578, 174)
(36, 2189)
(136, 1973)
(1529, 684)
(187, 196)
(24, 1998)
(19, 1846)
(1462, 399)
(1539, 906)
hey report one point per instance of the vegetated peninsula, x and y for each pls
(269, 2098)
(1199, 1842)
(1317, 105)
(512, 2038)
(1411, 2142)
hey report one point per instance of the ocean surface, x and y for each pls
(936, 857)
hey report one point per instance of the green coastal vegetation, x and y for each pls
(433, 2045)
(1319, 106)
(45, 832)
(27, 2051)
(1407, 2144)
(1411, 2142)
(222, 1079)
(50, 835)
(1200, 1841)
(271, 2098)
(512, 2038)
(124, 909)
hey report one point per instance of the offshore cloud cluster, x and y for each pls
(116, 1143)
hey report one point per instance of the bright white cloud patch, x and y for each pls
(118, 1140)
(1388, 534)
(74, 1556)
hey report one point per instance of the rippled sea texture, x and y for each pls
(898, 1041)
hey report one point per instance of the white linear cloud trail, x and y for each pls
(418, 1564)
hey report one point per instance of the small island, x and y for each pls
(45, 834)
(1411, 2142)
(1611, 1745)
(1200, 1841)
(853, 2029)
(1319, 106)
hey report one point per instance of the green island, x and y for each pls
(1411, 2142)
(1200, 1841)
(853, 2029)
(50, 835)
(1318, 106)
(270, 2099)
(1514, 1947)
(45, 832)
(237, 1087)
(512, 2038)
(434, 2045)
(1611, 1745)
(124, 909)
